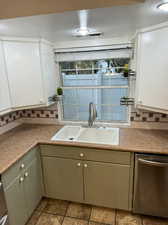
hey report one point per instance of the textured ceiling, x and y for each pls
(117, 21)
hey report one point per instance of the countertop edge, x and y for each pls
(83, 145)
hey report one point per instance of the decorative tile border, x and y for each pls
(144, 116)
(10, 117)
(40, 113)
(52, 112)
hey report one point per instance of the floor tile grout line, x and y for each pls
(72, 217)
(38, 217)
(87, 221)
(90, 213)
(66, 212)
(141, 220)
(115, 217)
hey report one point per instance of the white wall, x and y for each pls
(90, 42)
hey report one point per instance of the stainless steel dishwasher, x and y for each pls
(151, 185)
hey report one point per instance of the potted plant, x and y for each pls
(126, 70)
(59, 93)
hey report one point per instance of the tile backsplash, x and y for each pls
(146, 116)
(10, 117)
(52, 112)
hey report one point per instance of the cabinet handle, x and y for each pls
(85, 165)
(21, 179)
(26, 174)
(81, 154)
(22, 166)
(79, 164)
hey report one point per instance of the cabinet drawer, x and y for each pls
(116, 157)
(81, 153)
(62, 151)
(15, 170)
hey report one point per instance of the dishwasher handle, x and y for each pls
(153, 163)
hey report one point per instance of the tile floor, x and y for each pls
(57, 212)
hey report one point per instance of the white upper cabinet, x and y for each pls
(5, 103)
(48, 70)
(152, 69)
(29, 72)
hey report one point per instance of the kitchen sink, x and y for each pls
(101, 135)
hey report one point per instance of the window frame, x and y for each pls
(99, 122)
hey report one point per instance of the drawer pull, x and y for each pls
(81, 154)
(26, 174)
(22, 166)
(21, 179)
(79, 164)
(85, 165)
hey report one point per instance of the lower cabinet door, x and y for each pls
(33, 186)
(16, 204)
(107, 184)
(63, 178)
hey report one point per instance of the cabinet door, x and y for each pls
(16, 204)
(24, 73)
(152, 70)
(5, 103)
(63, 178)
(49, 69)
(107, 184)
(33, 185)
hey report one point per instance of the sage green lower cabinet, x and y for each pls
(107, 184)
(92, 176)
(63, 178)
(33, 186)
(16, 204)
(24, 190)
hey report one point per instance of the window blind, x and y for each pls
(93, 54)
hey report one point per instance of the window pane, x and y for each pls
(118, 113)
(84, 64)
(80, 80)
(106, 72)
(68, 65)
(112, 96)
(70, 112)
(70, 96)
(107, 101)
(91, 75)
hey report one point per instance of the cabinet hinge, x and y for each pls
(127, 101)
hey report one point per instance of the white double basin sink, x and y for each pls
(101, 135)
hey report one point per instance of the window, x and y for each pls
(98, 81)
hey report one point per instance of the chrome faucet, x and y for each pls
(92, 114)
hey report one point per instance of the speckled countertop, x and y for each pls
(15, 143)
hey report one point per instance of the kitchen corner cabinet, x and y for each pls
(5, 101)
(23, 187)
(98, 177)
(30, 71)
(152, 69)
